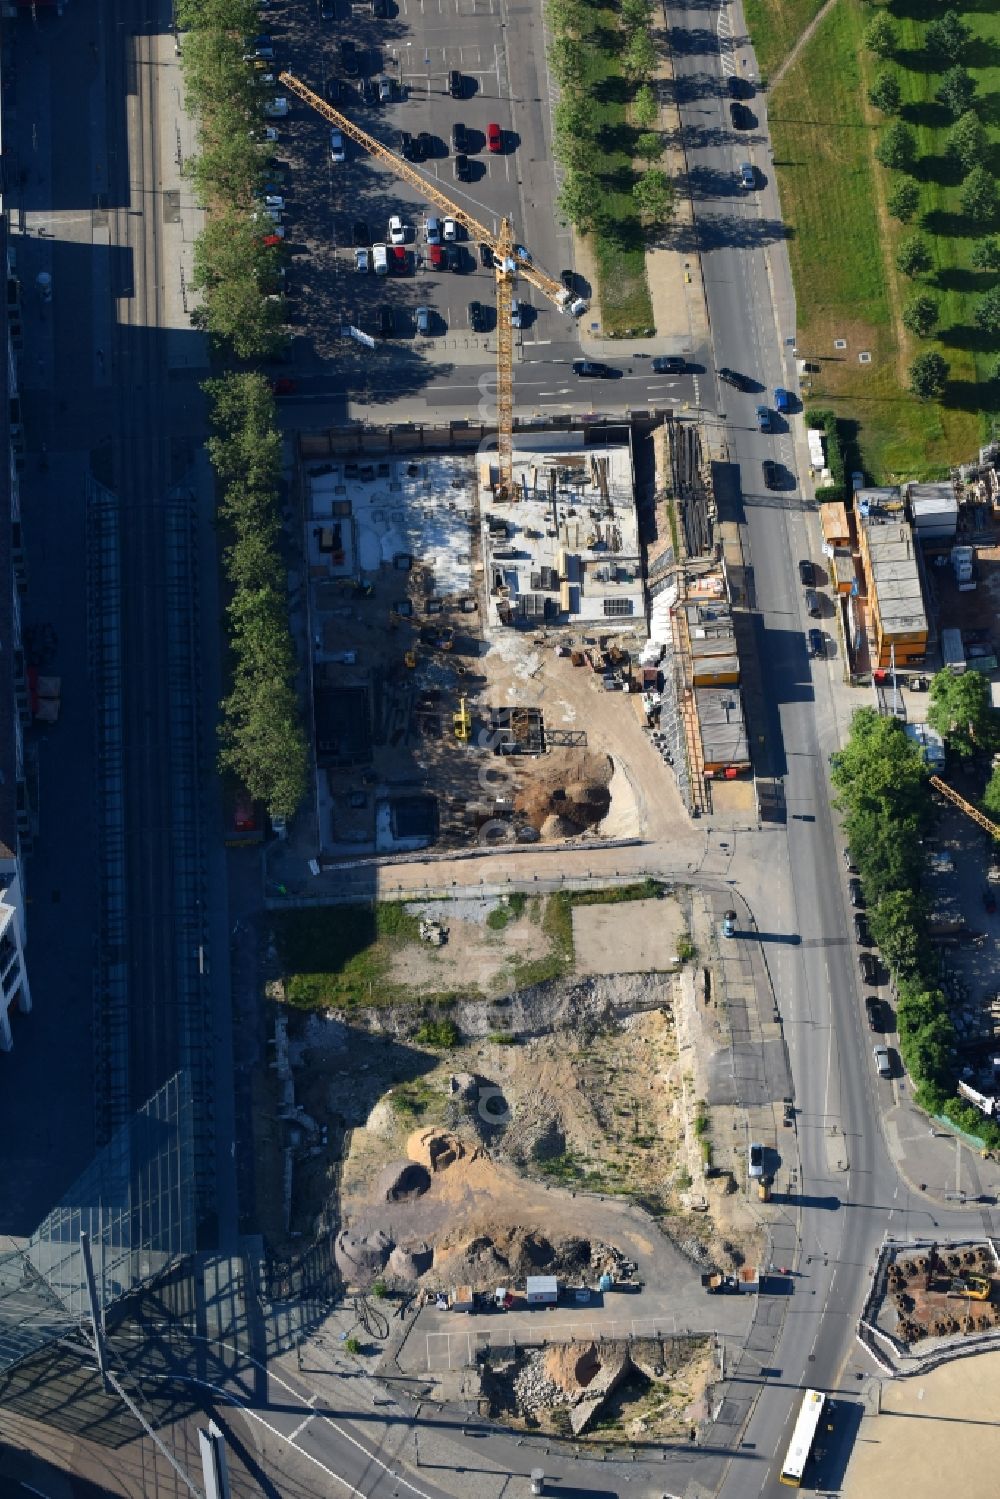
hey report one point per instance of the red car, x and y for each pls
(436, 254)
(494, 139)
(282, 387)
(272, 240)
(397, 259)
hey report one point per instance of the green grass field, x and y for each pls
(843, 243)
(776, 26)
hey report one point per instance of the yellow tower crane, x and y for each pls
(966, 807)
(509, 261)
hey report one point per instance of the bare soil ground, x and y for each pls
(477, 955)
(635, 937)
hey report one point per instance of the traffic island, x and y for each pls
(930, 1302)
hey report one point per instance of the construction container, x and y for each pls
(541, 1290)
(565, 598)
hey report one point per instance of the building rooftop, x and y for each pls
(895, 575)
(567, 550)
(723, 730)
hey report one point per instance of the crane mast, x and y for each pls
(508, 259)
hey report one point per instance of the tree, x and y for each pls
(957, 92)
(580, 199)
(634, 15)
(920, 315)
(960, 710)
(880, 35)
(884, 93)
(967, 141)
(928, 376)
(649, 145)
(979, 196)
(886, 848)
(639, 56)
(986, 313)
(913, 256)
(897, 924)
(897, 147)
(645, 110)
(991, 796)
(903, 200)
(568, 61)
(654, 196)
(985, 255)
(947, 36)
(879, 770)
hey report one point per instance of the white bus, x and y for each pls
(801, 1446)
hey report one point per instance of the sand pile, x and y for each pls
(402, 1181)
(565, 797)
(572, 1366)
(435, 1149)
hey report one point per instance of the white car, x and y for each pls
(363, 260)
(883, 1061)
(449, 231)
(397, 230)
(385, 91)
(380, 260)
(516, 314)
(755, 1162)
(337, 152)
(274, 202)
(277, 108)
(432, 231)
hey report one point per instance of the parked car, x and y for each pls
(277, 108)
(870, 972)
(334, 91)
(873, 1010)
(386, 322)
(883, 1060)
(763, 417)
(817, 643)
(755, 1162)
(274, 202)
(385, 90)
(516, 313)
(769, 473)
(397, 230)
(436, 256)
(367, 92)
(449, 231)
(459, 138)
(568, 280)
(432, 231)
(380, 260)
(423, 317)
(740, 116)
(807, 573)
(404, 145)
(456, 84)
(349, 58)
(477, 317)
(363, 261)
(337, 151)
(380, 9)
(463, 172)
(813, 603)
(486, 257)
(668, 364)
(782, 399)
(748, 177)
(424, 146)
(856, 894)
(397, 259)
(849, 863)
(729, 920)
(494, 139)
(360, 234)
(739, 88)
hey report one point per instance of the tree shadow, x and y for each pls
(964, 395)
(918, 60)
(703, 182)
(927, 113)
(612, 91)
(968, 336)
(952, 225)
(943, 169)
(961, 279)
(615, 139)
(686, 41)
(723, 231)
(988, 109)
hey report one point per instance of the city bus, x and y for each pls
(801, 1446)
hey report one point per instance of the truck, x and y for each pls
(462, 1299)
(718, 1283)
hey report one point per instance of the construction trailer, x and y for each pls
(541, 1290)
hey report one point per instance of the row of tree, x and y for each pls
(263, 742)
(237, 274)
(578, 43)
(947, 43)
(880, 778)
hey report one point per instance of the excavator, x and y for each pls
(510, 261)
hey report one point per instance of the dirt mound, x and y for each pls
(498, 1255)
(402, 1181)
(576, 792)
(572, 1366)
(434, 1149)
(558, 827)
(361, 1257)
(409, 1261)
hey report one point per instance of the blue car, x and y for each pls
(782, 400)
(763, 419)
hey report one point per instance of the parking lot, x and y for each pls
(331, 205)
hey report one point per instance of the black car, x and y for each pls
(477, 317)
(590, 369)
(486, 257)
(741, 117)
(463, 172)
(769, 473)
(380, 9)
(568, 280)
(668, 364)
(807, 573)
(817, 645)
(849, 863)
(334, 91)
(869, 968)
(456, 84)
(739, 88)
(349, 59)
(730, 377)
(367, 91)
(405, 145)
(862, 935)
(386, 322)
(459, 138)
(874, 1011)
(360, 236)
(855, 894)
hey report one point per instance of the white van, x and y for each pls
(380, 260)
